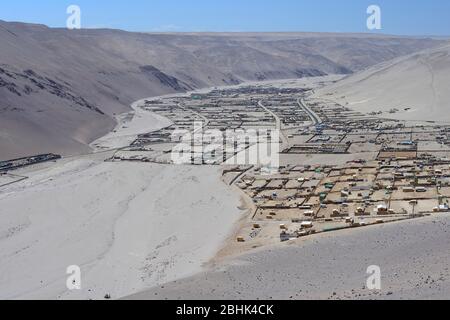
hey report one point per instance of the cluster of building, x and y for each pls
(9, 165)
(227, 111)
(395, 170)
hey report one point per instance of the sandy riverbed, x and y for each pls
(129, 226)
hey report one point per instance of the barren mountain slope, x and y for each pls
(416, 87)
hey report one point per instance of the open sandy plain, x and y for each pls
(129, 226)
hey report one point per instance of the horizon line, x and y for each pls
(374, 34)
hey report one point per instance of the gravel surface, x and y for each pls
(414, 258)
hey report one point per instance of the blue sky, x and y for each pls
(405, 17)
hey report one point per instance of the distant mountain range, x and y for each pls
(60, 89)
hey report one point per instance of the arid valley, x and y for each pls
(129, 155)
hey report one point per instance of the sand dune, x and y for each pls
(416, 85)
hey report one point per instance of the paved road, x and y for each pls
(314, 117)
(205, 122)
(285, 142)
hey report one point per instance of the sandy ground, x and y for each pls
(129, 226)
(129, 125)
(415, 85)
(413, 257)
